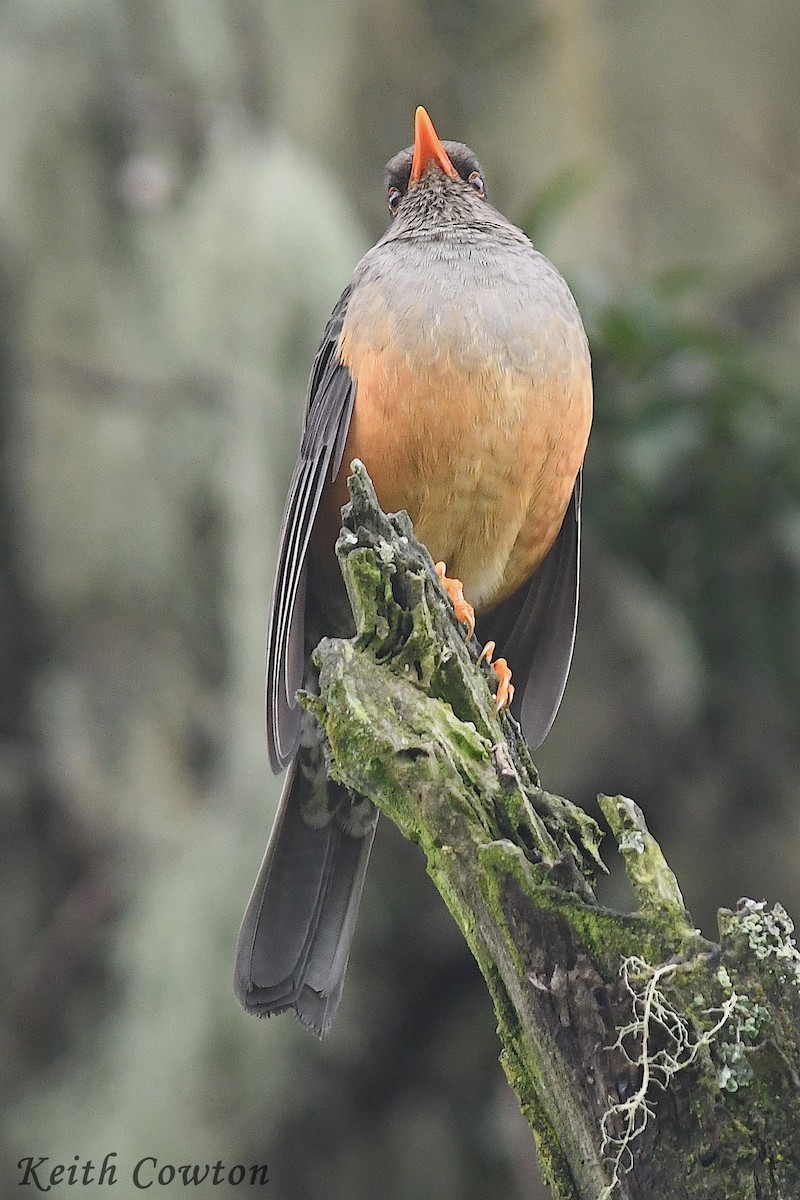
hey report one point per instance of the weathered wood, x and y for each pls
(647, 1060)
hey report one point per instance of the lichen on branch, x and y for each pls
(598, 1011)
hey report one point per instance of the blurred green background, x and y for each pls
(184, 190)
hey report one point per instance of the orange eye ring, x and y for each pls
(476, 181)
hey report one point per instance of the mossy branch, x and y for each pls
(647, 1060)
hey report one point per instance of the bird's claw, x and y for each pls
(464, 611)
(505, 688)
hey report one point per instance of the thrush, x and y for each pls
(456, 367)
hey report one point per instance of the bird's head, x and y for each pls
(433, 179)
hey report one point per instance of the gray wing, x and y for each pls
(329, 407)
(535, 628)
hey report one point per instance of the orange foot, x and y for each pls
(505, 688)
(465, 613)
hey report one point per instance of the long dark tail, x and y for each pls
(295, 938)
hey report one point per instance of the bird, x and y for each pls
(456, 366)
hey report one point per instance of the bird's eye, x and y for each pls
(394, 197)
(476, 181)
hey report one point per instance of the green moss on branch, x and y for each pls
(409, 718)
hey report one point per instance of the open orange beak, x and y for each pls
(428, 148)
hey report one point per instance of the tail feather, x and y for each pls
(295, 938)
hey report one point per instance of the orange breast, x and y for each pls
(481, 450)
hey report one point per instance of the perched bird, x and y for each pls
(456, 366)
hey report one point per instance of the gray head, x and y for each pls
(433, 177)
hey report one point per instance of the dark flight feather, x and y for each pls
(535, 628)
(329, 407)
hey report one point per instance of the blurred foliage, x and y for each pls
(694, 473)
(553, 201)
